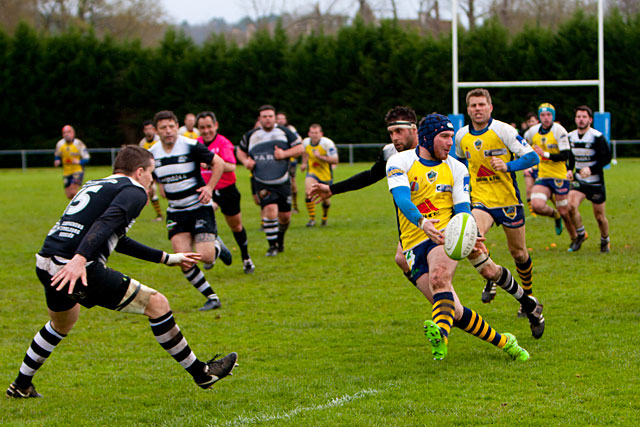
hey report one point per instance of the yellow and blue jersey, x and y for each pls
(436, 186)
(316, 167)
(148, 144)
(553, 141)
(191, 134)
(491, 188)
(72, 155)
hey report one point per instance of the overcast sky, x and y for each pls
(202, 11)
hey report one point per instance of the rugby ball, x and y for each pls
(460, 236)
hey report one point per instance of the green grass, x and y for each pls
(330, 332)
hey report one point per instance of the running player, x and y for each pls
(320, 154)
(530, 174)
(73, 155)
(282, 121)
(490, 146)
(189, 130)
(550, 140)
(72, 268)
(225, 194)
(148, 140)
(590, 153)
(429, 174)
(265, 151)
(190, 219)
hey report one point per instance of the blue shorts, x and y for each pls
(531, 173)
(75, 178)
(417, 258)
(557, 186)
(510, 217)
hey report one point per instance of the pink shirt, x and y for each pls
(223, 148)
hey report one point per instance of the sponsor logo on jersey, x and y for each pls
(486, 175)
(415, 186)
(510, 212)
(182, 159)
(432, 176)
(552, 146)
(484, 172)
(394, 171)
(444, 188)
(478, 144)
(427, 207)
(496, 152)
(467, 154)
(200, 223)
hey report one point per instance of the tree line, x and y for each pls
(345, 82)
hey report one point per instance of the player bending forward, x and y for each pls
(72, 268)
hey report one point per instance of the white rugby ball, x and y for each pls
(460, 236)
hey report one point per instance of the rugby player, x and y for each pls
(551, 142)
(590, 153)
(191, 222)
(73, 155)
(320, 154)
(281, 120)
(489, 147)
(429, 177)
(265, 151)
(189, 130)
(72, 268)
(148, 140)
(225, 194)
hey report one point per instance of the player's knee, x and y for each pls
(157, 306)
(440, 279)
(520, 256)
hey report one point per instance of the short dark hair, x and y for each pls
(315, 125)
(529, 115)
(583, 108)
(147, 123)
(400, 113)
(130, 158)
(203, 114)
(266, 107)
(164, 115)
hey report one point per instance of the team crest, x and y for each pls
(467, 154)
(478, 144)
(558, 182)
(431, 176)
(414, 185)
(543, 139)
(510, 212)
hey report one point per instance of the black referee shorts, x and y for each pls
(228, 198)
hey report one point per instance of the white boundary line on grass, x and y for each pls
(338, 401)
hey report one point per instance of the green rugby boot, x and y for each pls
(514, 351)
(433, 334)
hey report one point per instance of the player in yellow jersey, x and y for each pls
(189, 130)
(551, 141)
(428, 187)
(149, 140)
(73, 155)
(490, 148)
(530, 174)
(319, 155)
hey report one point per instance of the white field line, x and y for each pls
(338, 401)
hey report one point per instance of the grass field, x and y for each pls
(330, 332)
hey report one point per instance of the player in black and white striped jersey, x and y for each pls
(590, 153)
(191, 222)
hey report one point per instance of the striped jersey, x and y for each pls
(259, 144)
(179, 172)
(590, 150)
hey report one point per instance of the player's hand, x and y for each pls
(480, 246)
(585, 172)
(56, 163)
(570, 175)
(498, 164)
(186, 259)
(250, 164)
(539, 151)
(430, 230)
(319, 192)
(72, 271)
(278, 153)
(303, 167)
(205, 194)
(205, 166)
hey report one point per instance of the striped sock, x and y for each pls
(509, 284)
(197, 279)
(168, 335)
(474, 324)
(443, 312)
(580, 231)
(271, 231)
(44, 342)
(155, 202)
(311, 207)
(243, 243)
(525, 271)
(325, 211)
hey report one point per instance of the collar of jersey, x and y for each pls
(472, 131)
(133, 181)
(543, 131)
(426, 162)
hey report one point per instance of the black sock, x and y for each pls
(243, 243)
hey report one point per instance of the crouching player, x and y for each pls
(72, 268)
(428, 188)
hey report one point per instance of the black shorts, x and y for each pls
(596, 193)
(197, 221)
(105, 288)
(228, 198)
(279, 194)
(252, 180)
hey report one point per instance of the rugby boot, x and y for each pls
(489, 292)
(512, 348)
(211, 304)
(434, 335)
(248, 266)
(223, 252)
(605, 246)
(536, 320)
(217, 369)
(18, 393)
